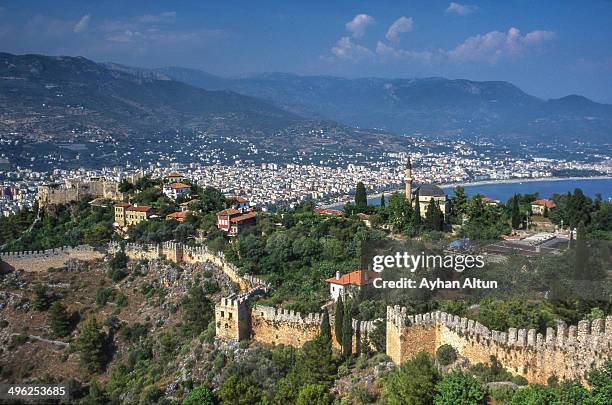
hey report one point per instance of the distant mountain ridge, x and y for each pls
(429, 106)
(57, 95)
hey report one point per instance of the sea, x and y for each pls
(544, 188)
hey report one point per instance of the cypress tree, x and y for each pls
(347, 332)
(382, 200)
(416, 219)
(325, 328)
(515, 214)
(361, 197)
(338, 321)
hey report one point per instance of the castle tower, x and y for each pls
(408, 176)
(232, 319)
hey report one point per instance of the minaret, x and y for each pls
(408, 176)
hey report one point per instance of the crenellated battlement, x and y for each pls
(37, 254)
(566, 352)
(42, 260)
(178, 253)
(284, 315)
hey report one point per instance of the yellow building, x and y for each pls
(128, 215)
(120, 214)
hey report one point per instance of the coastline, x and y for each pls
(484, 183)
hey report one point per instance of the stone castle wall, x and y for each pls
(75, 190)
(42, 260)
(564, 352)
(178, 253)
(274, 326)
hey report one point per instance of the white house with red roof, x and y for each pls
(350, 284)
(176, 190)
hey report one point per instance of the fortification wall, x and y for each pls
(565, 352)
(42, 260)
(178, 253)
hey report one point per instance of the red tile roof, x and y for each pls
(357, 277)
(179, 185)
(173, 174)
(327, 211)
(177, 215)
(244, 217)
(140, 208)
(122, 204)
(545, 203)
(228, 211)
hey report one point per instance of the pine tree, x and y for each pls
(347, 332)
(382, 200)
(59, 320)
(338, 321)
(91, 344)
(361, 196)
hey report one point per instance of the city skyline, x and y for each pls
(548, 53)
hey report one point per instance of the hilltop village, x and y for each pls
(109, 280)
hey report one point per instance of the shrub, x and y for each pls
(458, 388)
(446, 354)
(200, 396)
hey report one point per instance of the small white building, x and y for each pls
(350, 284)
(176, 190)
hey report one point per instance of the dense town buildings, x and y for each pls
(272, 184)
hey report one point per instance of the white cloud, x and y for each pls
(82, 24)
(345, 48)
(385, 51)
(165, 17)
(401, 25)
(461, 9)
(495, 45)
(357, 26)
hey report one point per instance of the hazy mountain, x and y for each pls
(58, 96)
(431, 106)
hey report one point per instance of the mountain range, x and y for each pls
(68, 97)
(430, 106)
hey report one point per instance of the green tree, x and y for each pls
(434, 219)
(459, 204)
(59, 321)
(325, 327)
(338, 320)
(200, 396)
(347, 331)
(238, 391)
(42, 297)
(446, 354)
(313, 394)
(534, 395)
(515, 213)
(416, 218)
(458, 388)
(96, 395)
(197, 311)
(361, 196)
(600, 381)
(91, 345)
(412, 383)
(382, 200)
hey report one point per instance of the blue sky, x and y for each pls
(548, 48)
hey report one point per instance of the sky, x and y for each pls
(548, 48)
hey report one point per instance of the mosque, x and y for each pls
(424, 193)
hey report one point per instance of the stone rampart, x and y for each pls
(42, 260)
(564, 352)
(178, 253)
